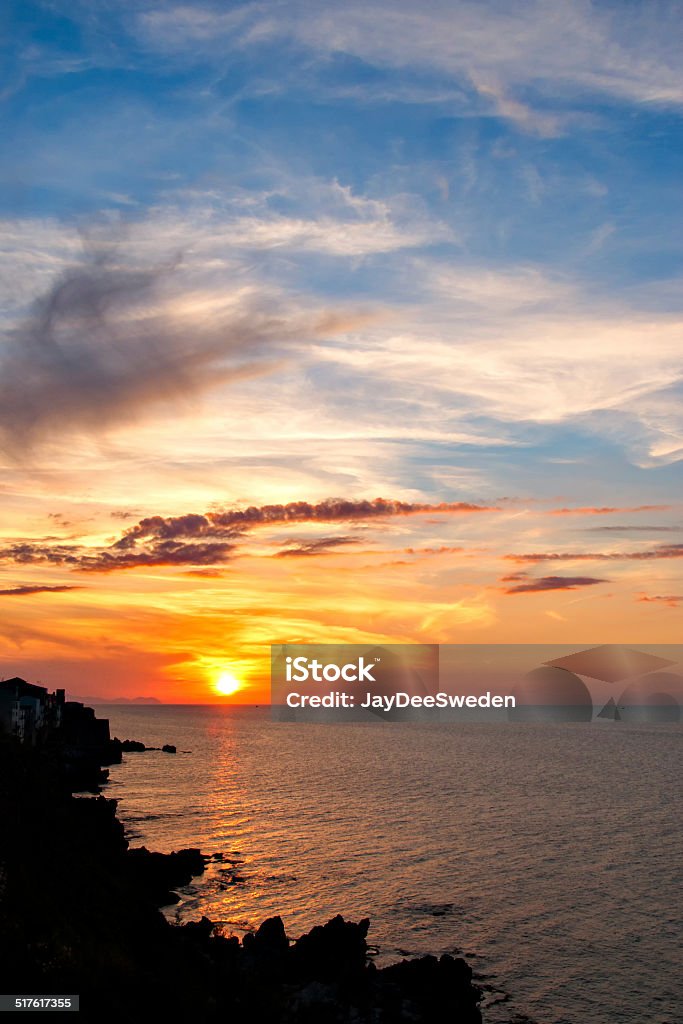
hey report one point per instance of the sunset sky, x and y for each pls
(335, 322)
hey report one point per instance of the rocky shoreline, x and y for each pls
(80, 914)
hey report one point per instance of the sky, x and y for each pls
(335, 323)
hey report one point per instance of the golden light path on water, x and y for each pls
(549, 855)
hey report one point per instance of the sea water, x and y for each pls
(550, 856)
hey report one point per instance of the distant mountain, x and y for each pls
(113, 700)
(134, 700)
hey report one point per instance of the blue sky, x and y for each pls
(279, 251)
(485, 165)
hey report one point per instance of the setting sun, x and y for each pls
(227, 684)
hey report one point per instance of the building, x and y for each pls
(29, 712)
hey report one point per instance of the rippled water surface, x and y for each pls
(549, 855)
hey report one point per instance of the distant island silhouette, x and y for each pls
(114, 700)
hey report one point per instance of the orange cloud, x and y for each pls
(670, 600)
(591, 510)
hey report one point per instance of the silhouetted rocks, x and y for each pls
(94, 825)
(332, 952)
(79, 913)
(325, 976)
(158, 874)
(442, 988)
(131, 746)
(136, 747)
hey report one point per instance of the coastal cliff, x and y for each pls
(79, 914)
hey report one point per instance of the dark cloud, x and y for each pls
(31, 589)
(663, 551)
(624, 528)
(28, 553)
(544, 583)
(162, 553)
(99, 349)
(211, 539)
(192, 525)
(320, 546)
(331, 510)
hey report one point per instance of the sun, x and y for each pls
(227, 684)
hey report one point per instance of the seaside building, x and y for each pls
(28, 711)
(31, 713)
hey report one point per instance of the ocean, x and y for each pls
(550, 856)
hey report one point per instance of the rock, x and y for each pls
(133, 747)
(332, 951)
(92, 916)
(271, 936)
(157, 874)
(441, 989)
(169, 748)
(199, 931)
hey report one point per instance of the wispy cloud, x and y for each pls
(543, 584)
(319, 546)
(670, 600)
(663, 551)
(626, 528)
(552, 51)
(606, 510)
(29, 589)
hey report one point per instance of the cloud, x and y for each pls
(671, 600)
(320, 546)
(606, 510)
(233, 521)
(206, 574)
(498, 349)
(625, 528)
(545, 583)
(211, 538)
(452, 352)
(108, 342)
(443, 549)
(495, 52)
(34, 589)
(219, 231)
(663, 551)
(161, 553)
(524, 116)
(27, 553)
(501, 290)
(346, 225)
